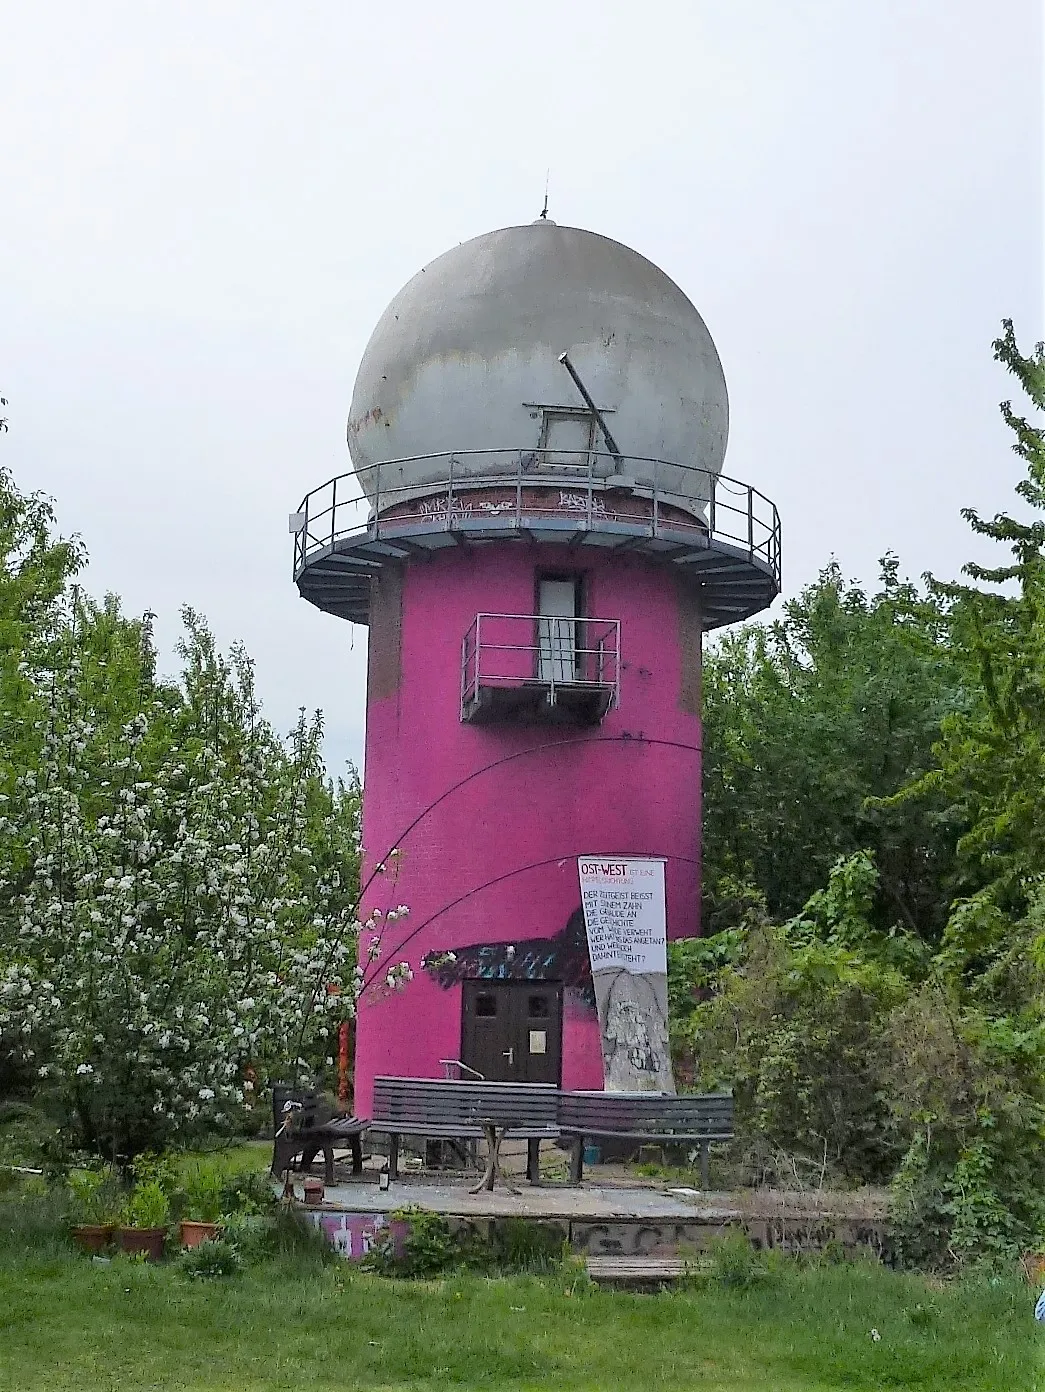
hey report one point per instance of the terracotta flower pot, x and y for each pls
(92, 1237)
(143, 1241)
(314, 1191)
(192, 1233)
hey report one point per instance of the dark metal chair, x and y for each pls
(304, 1123)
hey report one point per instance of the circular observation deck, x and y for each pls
(728, 546)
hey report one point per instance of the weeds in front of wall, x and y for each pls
(211, 1260)
(423, 1245)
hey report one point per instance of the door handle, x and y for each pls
(509, 1054)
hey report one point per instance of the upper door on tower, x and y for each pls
(467, 358)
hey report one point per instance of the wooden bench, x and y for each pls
(304, 1124)
(645, 1116)
(437, 1108)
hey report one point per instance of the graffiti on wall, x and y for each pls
(443, 508)
(580, 502)
(447, 509)
(667, 1237)
(563, 957)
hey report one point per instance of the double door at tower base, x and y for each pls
(511, 1031)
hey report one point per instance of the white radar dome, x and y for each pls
(467, 358)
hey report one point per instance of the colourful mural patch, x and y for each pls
(563, 957)
(352, 1235)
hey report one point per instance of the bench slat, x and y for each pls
(412, 1104)
(463, 1131)
(653, 1136)
(707, 1117)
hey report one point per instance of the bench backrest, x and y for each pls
(418, 1102)
(606, 1113)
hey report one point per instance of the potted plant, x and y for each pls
(92, 1209)
(144, 1221)
(203, 1196)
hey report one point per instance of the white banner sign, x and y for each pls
(623, 903)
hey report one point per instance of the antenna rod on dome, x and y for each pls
(611, 443)
(547, 177)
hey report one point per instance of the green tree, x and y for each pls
(975, 1172)
(807, 718)
(177, 882)
(991, 757)
(37, 568)
(793, 1025)
(36, 571)
(896, 1025)
(189, 878)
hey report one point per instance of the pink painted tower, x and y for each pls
(537, 532)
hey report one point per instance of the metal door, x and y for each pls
(511, 1031)
(557, 630)
(537, 1027)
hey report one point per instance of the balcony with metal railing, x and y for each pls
(722, 534)
(538, 668)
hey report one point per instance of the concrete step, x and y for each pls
(637, 1273)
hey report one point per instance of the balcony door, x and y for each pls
(558, 603)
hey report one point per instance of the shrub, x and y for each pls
(211, 1260)
(247, 1192)
(27, 1136)
(161, 1169)
(94, 1197)
(429, 1248)
(796, 1033)
(735, 1264)
(966, 1089)
(203, 1192)
(147, 1206)
(253, 1235)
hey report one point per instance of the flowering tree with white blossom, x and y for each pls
(177, 912)
(178, 884)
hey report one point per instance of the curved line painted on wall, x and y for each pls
(380, 967)
(521, 754)
(624, 738)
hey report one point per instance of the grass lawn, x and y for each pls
(66, 1323)
(242, 1155)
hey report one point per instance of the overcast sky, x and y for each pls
(204, 208)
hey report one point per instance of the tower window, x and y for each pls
(567, 439)
(568, 436)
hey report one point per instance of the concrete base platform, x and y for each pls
(543, 1202)
(615, 1219)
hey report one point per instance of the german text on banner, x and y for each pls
(624, 917)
